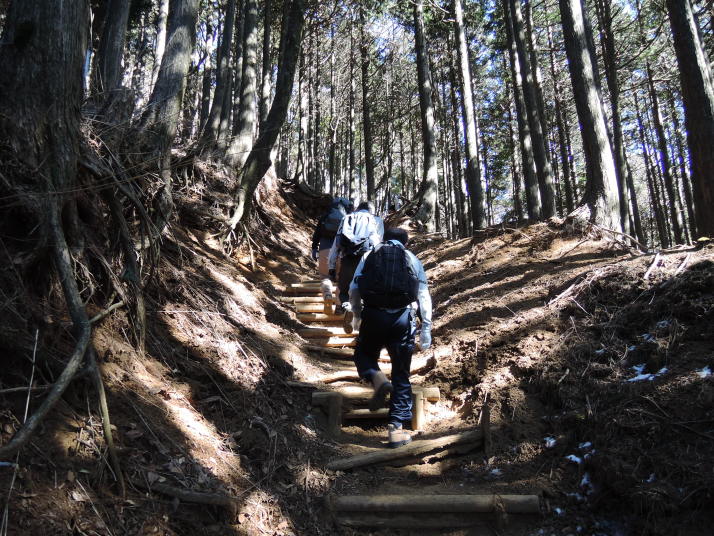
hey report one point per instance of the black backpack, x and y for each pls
(388, 279)
(333, 219)
(354, 236)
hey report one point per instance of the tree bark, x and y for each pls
(160, 45)
(533, 200)
(698, 97)
(607, 40)
(544, 172)
(681, 160)
(266, 67)
(242, 143)
(108, 71)
(366, 108)
(211, 133)
(258, 161)
(162, 115)
(427, 195)
(601, 193)
(473, 178)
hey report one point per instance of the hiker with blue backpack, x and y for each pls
(388, 292)
(325, 232)
(358, 233)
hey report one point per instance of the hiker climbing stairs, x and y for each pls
(338, 400)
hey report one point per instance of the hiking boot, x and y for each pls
(398, 436)
(382, 387)
(347, 320)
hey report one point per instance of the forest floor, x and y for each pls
(596, 361)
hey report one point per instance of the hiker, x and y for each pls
(325, 232)
(359, 232)
(387, 293)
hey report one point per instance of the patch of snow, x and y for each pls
(577, 496)
(705, 372)
(559, 511)
(600, 351)
(648, 337)
(651, 479)
(646, 376)
(549, 442)
(662, 324)
(632, 348)
(496, 472)
(573, 458)
(585, 445)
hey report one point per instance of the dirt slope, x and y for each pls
(546, 322)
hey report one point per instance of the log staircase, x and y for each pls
(339, 399)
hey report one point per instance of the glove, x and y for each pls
(314, 254)
(333, 276)
(424, 339)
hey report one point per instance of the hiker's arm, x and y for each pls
(424, 299)
(378, 233)
(332, 259)
(355, 296)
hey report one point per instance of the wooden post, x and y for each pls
(334, 415)
(417, 410)
(428, 503)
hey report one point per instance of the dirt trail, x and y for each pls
(600, 400)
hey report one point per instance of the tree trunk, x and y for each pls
(427, 195)
(40, 124)
(601, 193)
(366, 108)
(681, 160)
(540, 151)
(560, 125)
(238, 67)
(533, 201)
(607, 40)
(473, 178)
(163, 111)
(108, 71)
(210, 136)
(664, 160)
(267, 64)
(160, 45)
(698, 97)
(258, 161)
(242, 143)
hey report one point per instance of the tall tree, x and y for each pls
(108, 71)
(601, 193)
(538, 136)
(211, 134)
(258, 161)
(162, 115)
(473, 175)
(241, 145)
(533, 201)
(366, 108)
(427, 195)
(698, 96)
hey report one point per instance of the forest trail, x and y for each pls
(593, 358)
(338, 400)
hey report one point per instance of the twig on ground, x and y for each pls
(655, 261)
(103, 314)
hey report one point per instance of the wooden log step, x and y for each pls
(300, 299)
(345, 353)
(309, 284)
(433, 503)
(358, 393)
(336, 342)
(414, 522)
(415, 448)
(302, 292)
(316, 307)
(320, 333)
(418, 366)
(320, 317)
(381, 413)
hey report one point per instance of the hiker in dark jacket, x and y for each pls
(359, 232)
(388, 289)
(325, 232)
